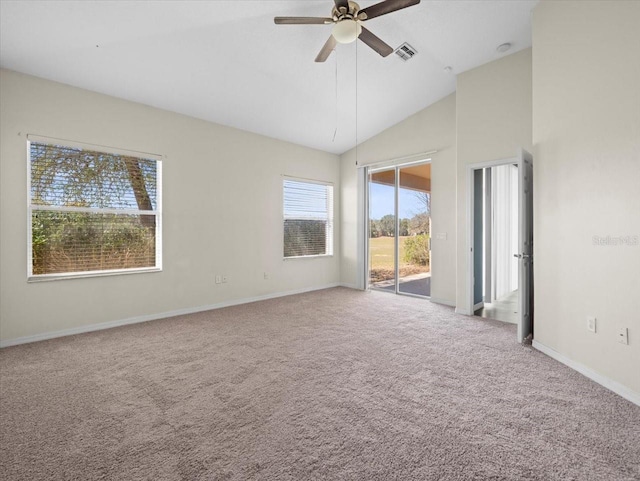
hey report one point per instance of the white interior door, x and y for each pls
(525, 241)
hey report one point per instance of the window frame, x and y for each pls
(330, 213)
(31, 277)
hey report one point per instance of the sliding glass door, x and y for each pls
(399, 226)
(382, 229)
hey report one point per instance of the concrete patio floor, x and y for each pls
(417, 284)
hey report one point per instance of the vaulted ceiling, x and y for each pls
(227, 62)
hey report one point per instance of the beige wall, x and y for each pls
(493, 112)
(586, 128)
(222, 210)
(430, 129)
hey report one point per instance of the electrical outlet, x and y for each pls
(218, 279)
(623, 335)
(591, 324)
(224, 279)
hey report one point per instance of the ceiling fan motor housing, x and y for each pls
(353, 13)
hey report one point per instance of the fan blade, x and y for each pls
(302, 20)
(385, 7)
(327, 49)
(375, 43)
(342, 4)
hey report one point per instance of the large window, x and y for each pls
(308, 218)
(91, 212)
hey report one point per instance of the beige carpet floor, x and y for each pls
(329, 385)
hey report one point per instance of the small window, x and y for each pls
(308, 218)
(91, 212)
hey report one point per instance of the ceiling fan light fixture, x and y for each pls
(346, 31)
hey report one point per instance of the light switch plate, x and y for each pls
(591, 323)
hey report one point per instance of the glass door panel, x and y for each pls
(382, 229)
(414, 230)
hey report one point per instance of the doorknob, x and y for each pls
(523, 256)
(517, 255)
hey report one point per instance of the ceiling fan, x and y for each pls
(346, 18)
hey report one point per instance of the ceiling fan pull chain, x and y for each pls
(336, 129)
(356, 104)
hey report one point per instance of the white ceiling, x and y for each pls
(227, 62)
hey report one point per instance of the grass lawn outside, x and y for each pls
(381, 259)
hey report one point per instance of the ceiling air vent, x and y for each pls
(406, 51)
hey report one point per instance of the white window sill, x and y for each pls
(307, 257)
(82, 275)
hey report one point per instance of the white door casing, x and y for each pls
(524, 161)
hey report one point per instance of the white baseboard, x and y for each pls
(444, 302)
(604, 381)
(152, 317)
(349, 286)
(464, 312)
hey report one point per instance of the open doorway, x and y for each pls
(495, 242)
(500, 243)
(399, 227)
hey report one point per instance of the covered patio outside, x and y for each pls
(411, 264)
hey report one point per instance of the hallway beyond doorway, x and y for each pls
(504, 309)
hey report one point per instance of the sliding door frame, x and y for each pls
(371, 169)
